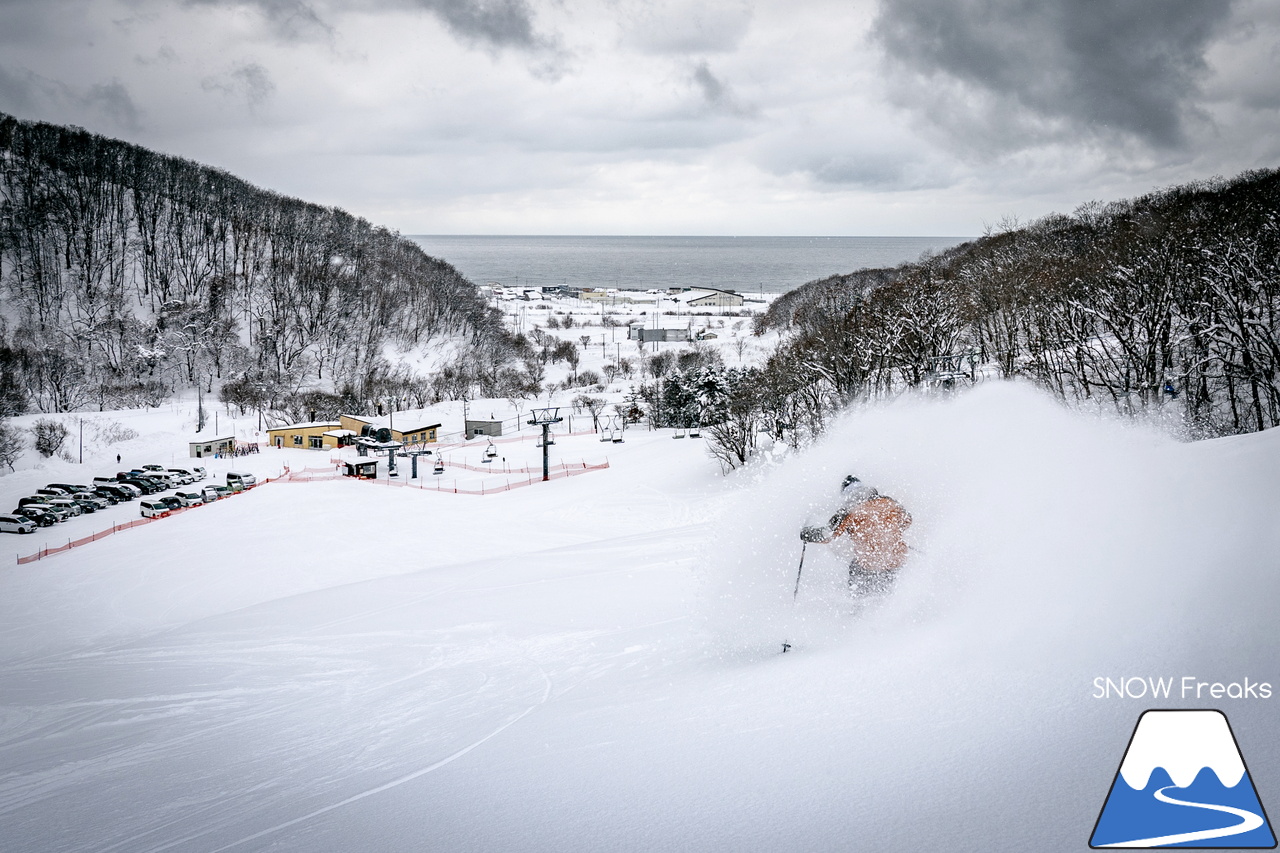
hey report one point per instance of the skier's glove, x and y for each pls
(813, 534)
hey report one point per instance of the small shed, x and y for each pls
(363, 469)
(203, 448)
(491, 428)
(343, 437)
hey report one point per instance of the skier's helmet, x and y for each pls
(853, 490)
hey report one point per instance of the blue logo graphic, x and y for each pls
(1183, 783)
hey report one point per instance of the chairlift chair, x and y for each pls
(439, 469)
(679, 433)
(696, 432)
(490, 453)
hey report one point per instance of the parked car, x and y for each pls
(199, 472)
(192, 498)
(53, 492)
(106, 493)
(69, 488)
(241, 480)
(186, 476)
(72, 508)
(40, 517)
(144, 485)
(171, 501)
(58, 513)
(218, 492)
(90, 502)
(16, 524)
(164, 475)
(129, 492)
(152, 508)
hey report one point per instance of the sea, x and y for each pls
(745, 264)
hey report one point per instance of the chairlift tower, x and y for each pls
(545, 418)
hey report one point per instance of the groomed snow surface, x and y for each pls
(593, 663)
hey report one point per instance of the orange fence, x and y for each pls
(116, 528)
(308, 475)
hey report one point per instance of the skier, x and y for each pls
(868, 530)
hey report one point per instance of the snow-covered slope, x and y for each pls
(592, 664)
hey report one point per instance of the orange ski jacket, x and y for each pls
(875, 530)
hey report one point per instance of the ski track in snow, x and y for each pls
(546, 694)
(208, 713)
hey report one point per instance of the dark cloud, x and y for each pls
(113, 101)
(1062, 68)
(250, 82)
(17, 92)
(33, 96)
(492, 23)
(290, 20)
(164, 55)
(716, 93)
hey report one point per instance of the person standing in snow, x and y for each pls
(868, 530)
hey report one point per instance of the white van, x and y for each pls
(239, 480)
(16, 524)
(72, 508)
(153, 509)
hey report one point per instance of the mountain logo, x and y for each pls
(1183, 783)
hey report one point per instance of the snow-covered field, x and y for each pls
(593, 663)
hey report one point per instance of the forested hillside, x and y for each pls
(126, 275)
(1169, 302)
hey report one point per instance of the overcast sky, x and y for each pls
(845, 117)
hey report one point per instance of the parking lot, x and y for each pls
(107, 502)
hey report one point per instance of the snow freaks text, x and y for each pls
(1186, 687)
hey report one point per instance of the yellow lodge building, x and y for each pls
(327, 435)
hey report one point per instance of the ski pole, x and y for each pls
(803, 547)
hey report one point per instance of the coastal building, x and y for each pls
(705, 297)
(638, 332)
